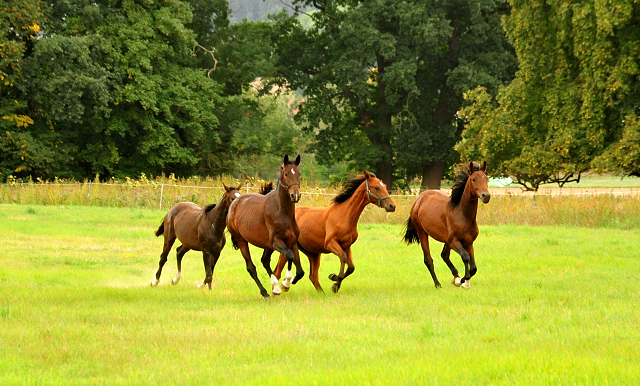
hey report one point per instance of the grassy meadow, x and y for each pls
(549, 305)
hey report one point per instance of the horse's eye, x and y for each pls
(474, 180)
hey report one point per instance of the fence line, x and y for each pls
(494, 191)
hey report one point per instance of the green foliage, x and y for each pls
(574, 102)
(382, 81)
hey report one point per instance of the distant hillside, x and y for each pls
(253, 10)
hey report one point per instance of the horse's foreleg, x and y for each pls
(180, 251)
(456, 245)
(286, 283)
(472, 260)
(168, 243)
(266, 263)
(446, 253)
(206, 259)
(345, 259)
(292, 255)
(251, 268)
(428, 261)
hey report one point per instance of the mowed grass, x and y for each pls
(549, 305)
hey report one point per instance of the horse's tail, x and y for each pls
(411, 234)
(235, 243)
(160, 229)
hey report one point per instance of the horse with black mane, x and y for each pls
(200, 229)
(334, 229)
(450, 220)
(268, 222)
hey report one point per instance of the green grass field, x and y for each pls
(549, 305)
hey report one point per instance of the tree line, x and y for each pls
(542, 90)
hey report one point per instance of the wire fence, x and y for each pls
(619, 207)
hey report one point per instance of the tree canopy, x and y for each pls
(574, 103)
(383, 80)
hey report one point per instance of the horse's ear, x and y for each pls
(297, 161)
(366, 174)
(471, 167)
(286, 159)
(484, 166)
(239, 186)
(226, 188)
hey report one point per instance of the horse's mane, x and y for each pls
(350, 188)
(461, 182)
(266, 188)
(209, 207)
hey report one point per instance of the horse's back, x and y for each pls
(430, 212)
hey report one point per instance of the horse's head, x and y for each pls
(230, 193)
(378, 193)
(290, 178)
(479, 182)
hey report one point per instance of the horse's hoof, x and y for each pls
(285, 288)
(154, 283)
(201, 285)
(333, 277)
(456, 281)
(438, 285)
(335, 288)
(466, 284)
(174, 281)
(276, 291)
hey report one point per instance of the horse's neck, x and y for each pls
(218, 215)
(355, 204)
(286, 205)
(469, 202)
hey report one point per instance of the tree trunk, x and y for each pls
(384, 171)
(432, 175)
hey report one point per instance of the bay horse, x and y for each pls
(200, 229)
(334, 229)
(268, 222)
(450, 220)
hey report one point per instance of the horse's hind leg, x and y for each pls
(251, 268)
(446, 252)
(180, 251)
(314, 268)
(168, 243)
(428, 261)
(266, 263)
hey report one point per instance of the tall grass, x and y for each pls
(590, 210)
(76, 308)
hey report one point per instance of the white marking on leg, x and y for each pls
(201, 285)
(176, 279)
(466, 284)
(456, 281)
(275, 288)
(288, 278)
(154, 282)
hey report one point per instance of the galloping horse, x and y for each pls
(450, 220)
(200, 229)
(268, 222)
(334, 229)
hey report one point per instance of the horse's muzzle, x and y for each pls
(485, 197)
(390, 208)
(295, 197)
